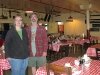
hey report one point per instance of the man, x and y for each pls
(38, 44)
(16, 47)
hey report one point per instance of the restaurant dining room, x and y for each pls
(73, 32)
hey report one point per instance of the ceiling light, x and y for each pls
(28, 11)
(70, 17)
(85, 6)
(60, 23)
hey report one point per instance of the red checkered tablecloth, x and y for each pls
(42, 70)
(91, 52)
(56, 45)
(93, 69)
(4, 65)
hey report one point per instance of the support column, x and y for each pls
(88, 23)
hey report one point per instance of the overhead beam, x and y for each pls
(57, 6)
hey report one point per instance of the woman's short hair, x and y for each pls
(17, 15)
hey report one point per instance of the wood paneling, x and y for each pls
(40, 5)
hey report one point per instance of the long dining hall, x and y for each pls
(54, 37)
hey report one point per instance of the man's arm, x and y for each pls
(45, 42)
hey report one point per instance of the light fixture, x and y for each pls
(60, 23)
(70, 19)
(29, 10)
(85, 6)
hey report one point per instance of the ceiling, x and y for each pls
(53, 6)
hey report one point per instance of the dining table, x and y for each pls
(43, 71)
(4, 64)
(56, 45)
(93, 69)
(91, 51)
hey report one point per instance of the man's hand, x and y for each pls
(44, 54)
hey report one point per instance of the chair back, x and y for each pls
(98, 53)
(2, 54)
(58, 70)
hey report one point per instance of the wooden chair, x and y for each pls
(2, 54)
(58, 70)
(98, 53)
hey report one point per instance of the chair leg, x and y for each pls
(47, 69)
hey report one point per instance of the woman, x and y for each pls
(16, 47)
